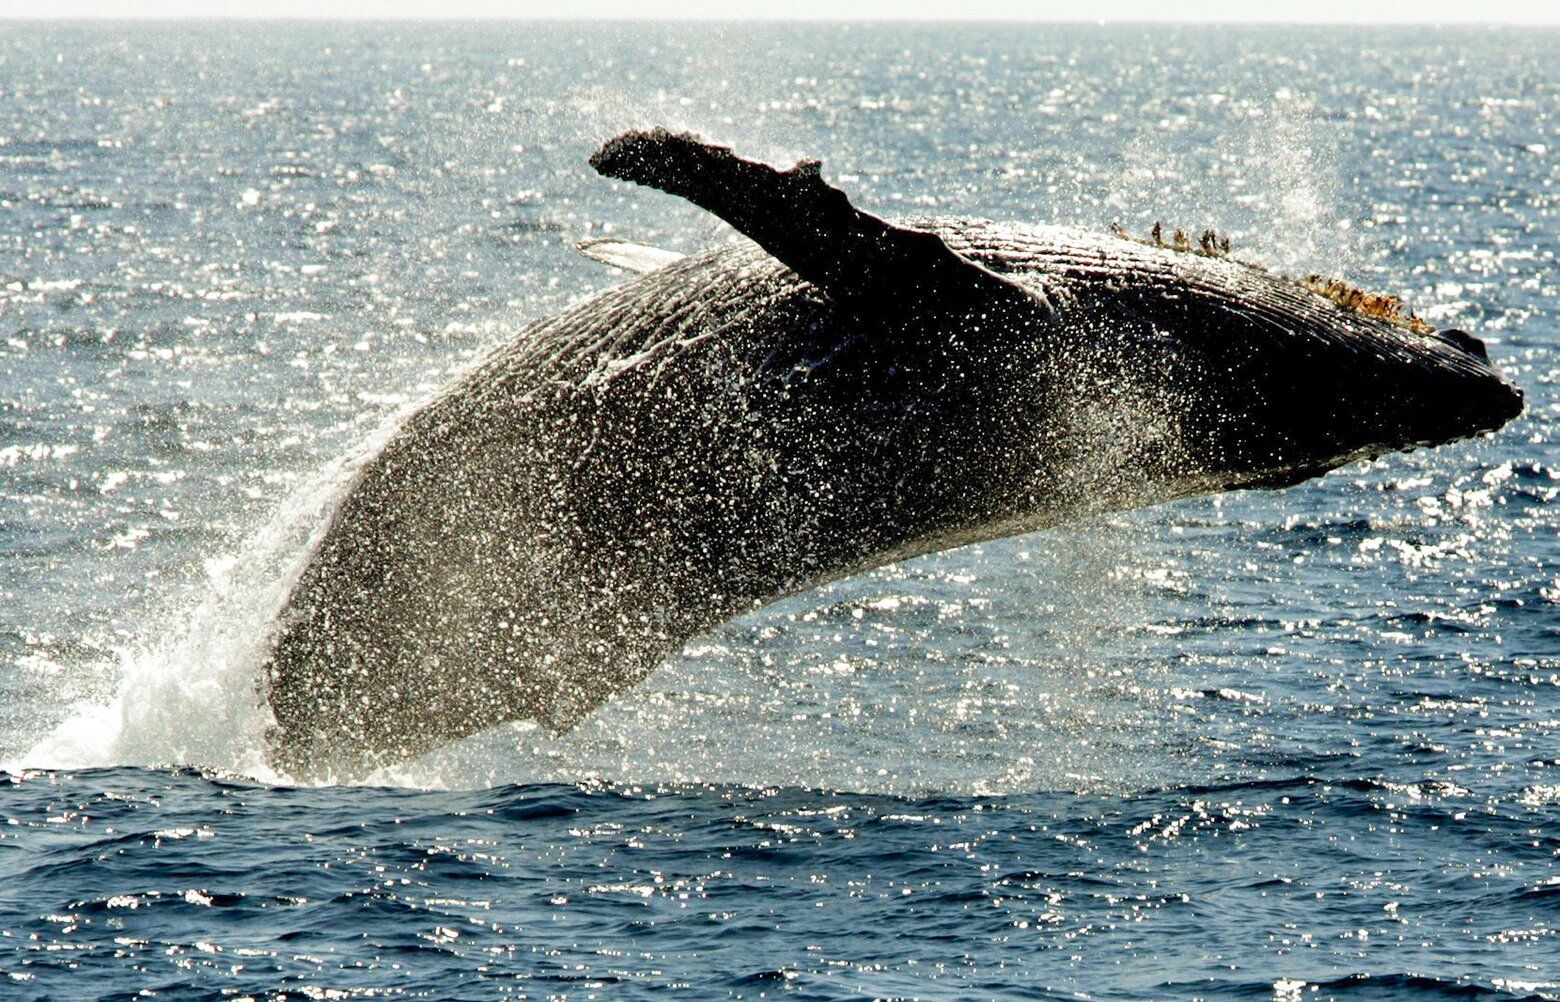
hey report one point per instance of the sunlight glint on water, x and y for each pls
(1265, 744)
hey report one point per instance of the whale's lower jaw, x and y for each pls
(723, 431)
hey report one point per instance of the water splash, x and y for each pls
(187, 693)
(893, 708)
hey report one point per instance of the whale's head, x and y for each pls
(1153, 372)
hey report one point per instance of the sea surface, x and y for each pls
(1282, 745)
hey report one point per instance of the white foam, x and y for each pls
(185, 694)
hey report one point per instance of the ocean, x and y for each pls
(1286, 745)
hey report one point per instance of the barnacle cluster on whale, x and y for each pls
(1210, 243)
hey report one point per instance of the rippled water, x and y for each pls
(1296, 745)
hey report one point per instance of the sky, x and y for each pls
(1545, 12)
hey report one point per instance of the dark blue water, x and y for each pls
(1294, 745)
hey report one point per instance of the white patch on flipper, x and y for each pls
(637, 258)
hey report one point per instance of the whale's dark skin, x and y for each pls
(756, 419)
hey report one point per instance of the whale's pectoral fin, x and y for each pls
(637, 258)
(859, 260)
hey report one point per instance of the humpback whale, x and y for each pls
(835, 392)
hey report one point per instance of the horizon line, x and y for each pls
(395, 18)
